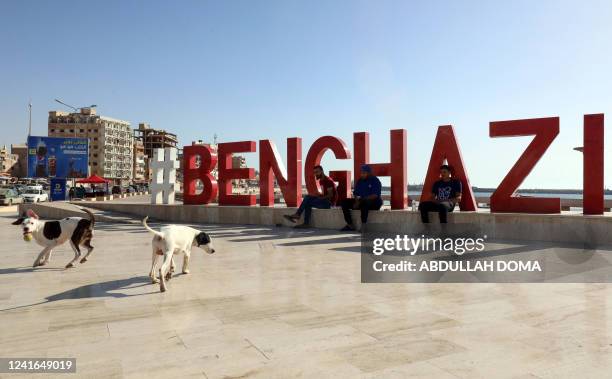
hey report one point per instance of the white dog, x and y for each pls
(174, 239)
(50, 234)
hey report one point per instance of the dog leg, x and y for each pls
(164, 270)
(47, 257)
(87, 244)
(77, 254)
(172, 268)
(40, 259)
(152, 274)
(186, 262)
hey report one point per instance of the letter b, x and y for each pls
(193, 173)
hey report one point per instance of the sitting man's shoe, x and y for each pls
(292, 218)
(301, 226)
(347, 228)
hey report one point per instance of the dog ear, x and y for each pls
(202, 239)
(19, 221)
(32, 214)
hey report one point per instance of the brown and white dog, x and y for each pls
(174, 239)
(51, 234)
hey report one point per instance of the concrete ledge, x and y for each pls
(56, 211)
(51, 211)
(506, 226)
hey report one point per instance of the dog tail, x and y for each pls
(144, 223)
(92, 219)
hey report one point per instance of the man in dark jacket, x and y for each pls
(366, 197)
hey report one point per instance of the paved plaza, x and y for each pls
(276, 303)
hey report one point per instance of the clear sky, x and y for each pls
(278, 69)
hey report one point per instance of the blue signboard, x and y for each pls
(52, 157)
(58, 189)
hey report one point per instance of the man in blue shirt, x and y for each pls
(446, 193)
(366, 197)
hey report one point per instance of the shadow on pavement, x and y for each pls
(96, 290)
(21, 270)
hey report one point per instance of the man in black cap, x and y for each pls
(366, 197)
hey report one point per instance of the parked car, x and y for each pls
(35, 194)
(9, 196)
(137, 188)
(20, 188)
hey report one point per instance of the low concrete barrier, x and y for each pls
(506, 226)
(564, 228)
(115, 196)
(52, 211)
(56, 211)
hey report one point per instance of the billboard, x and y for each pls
(57, 157)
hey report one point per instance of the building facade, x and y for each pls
(20, 150)
(152, 139)
(111, 141)
(140, 165)
(7, 162)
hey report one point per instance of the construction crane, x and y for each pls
(74, 108)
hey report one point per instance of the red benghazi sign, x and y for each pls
(544, 130)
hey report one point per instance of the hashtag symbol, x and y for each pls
(163, 184)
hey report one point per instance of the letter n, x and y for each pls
(545, 131)
(396, 169)
(446, 147)
(227, 173)
(271, 166)
(202, 172)
(593, 165)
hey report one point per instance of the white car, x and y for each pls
(9, 196)
(35, 194)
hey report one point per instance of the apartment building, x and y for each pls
(20, 150)
(7, 161)
(141, 166)
(111, 141)
(154, 138)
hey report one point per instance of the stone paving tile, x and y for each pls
(275, 303)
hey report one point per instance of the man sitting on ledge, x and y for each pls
(366, 197)
(325, 201)
(446, 193)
